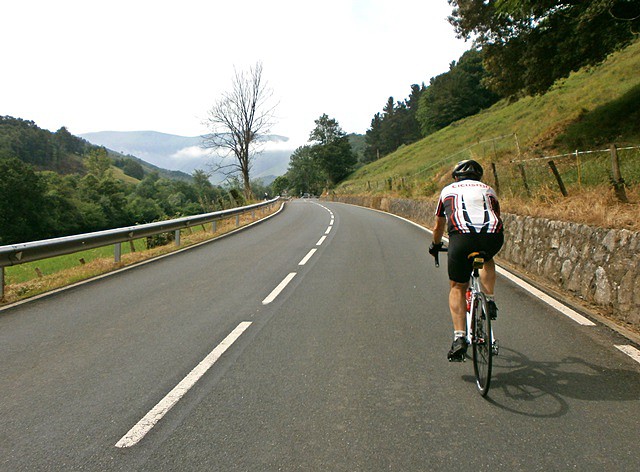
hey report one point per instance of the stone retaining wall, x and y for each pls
(599, 266)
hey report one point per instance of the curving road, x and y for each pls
(313, 341)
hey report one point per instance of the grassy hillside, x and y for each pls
(588, 111)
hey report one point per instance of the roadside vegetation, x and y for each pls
(34, 278)
(547, 99)
(588, 111)
(544, 85)
(56, 184)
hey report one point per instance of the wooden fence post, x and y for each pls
(618, 181)
(495, 177)
(554, 169)
(524, 179)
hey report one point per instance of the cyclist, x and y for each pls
(470, 211)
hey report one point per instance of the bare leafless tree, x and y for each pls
(239, 122)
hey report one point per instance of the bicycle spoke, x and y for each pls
(482, 346)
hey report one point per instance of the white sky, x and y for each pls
(131, 65)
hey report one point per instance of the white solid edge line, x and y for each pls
(143, 426)
(276, 291)
(307, 257)
(565, 310)
(630, 351)
(321, 240)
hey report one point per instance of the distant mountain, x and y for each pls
(186, 154)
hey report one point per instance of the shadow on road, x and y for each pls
(541, 389)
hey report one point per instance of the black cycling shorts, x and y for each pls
(463, 244)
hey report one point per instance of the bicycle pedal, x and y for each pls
(457, 358)
(495, 348)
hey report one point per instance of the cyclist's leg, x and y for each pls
(458, 305)
(488, 277)
(459, 269)
(491, 244)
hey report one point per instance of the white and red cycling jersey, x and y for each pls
(470, 206)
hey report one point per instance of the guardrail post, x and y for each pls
(214, 226)
(117, 252)
(237, 220)
(2, 283)
(177, 237)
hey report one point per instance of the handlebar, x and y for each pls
(437, 255)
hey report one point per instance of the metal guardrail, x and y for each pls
(15, 254)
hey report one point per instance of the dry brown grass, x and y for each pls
(97, 267)
(597, 206)
(594, 206)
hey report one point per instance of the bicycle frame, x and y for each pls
(474, 286)
(479, 332)
(477, 295)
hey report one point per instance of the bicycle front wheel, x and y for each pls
(482, 344)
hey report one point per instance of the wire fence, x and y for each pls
(514, 172)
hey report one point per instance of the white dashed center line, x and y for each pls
(281, 286)
(307, 257)
(143, 426)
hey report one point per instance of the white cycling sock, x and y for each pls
(490, 298)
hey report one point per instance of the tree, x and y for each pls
(133, 169)
(204, 189)
(332, 150)
(67, 142)
(528, 44)
(304, 174)
(239, 121)
(24, 210)
(98, 164)
(455, 94)
(397, 125)
(410, 125)
(280, 185)
(373, 139)
(391, 134)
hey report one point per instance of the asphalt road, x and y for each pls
(343, 368)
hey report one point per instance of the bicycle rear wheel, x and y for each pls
(482, 345)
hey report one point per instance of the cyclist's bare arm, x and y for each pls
(438, 230)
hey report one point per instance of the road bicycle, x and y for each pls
(479, 333)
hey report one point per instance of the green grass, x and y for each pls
(589, 109)
(24, 272)
(22, 281)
